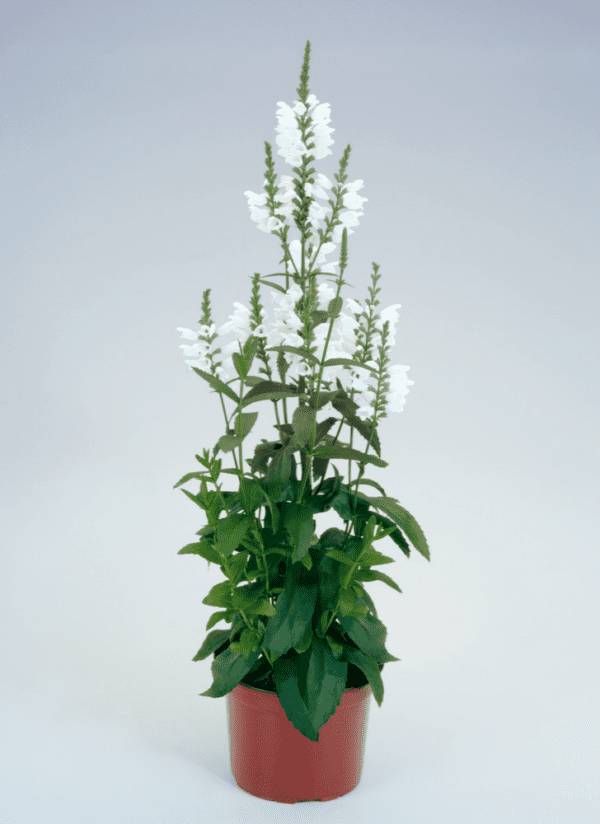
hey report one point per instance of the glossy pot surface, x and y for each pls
(271, 759)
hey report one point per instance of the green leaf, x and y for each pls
(269, 390)
(231, 531)
(303, 421)
(318, 317)
(217, 384)
(375, 575)
(340, 556)
(348, 362)
(295, 350)
(404, 520)
(293, 610)
(203, 548)
(250, 349)
(348, 409)
(253, 495)
(189, 477)
(300, 526)
(324, 398)
(250, 599)
(227, 443)
(218, 616)
(369, 634)
(213, 641)
(228, 669)
(325, 683)
(367, 665)
(371, 557)
(285, 675)
(244, 422)
(372, 483)
(220, 596)
(194, 498)
(346, 453)
(240, 364)
(335, 307)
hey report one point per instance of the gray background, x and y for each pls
(129, 132)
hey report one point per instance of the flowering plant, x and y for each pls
(302, 622)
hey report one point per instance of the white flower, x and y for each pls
(399, 384)
(239, 323)
(350, 199)
(255, 199)
(321, 131)
(187, 333)
(391, 315)
(289, 136)
(347, 219)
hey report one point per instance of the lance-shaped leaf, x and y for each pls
(335, 307)
(295, 350)
(190, 476)
(240, 364)
(293, 610)
(269, 390)
(303, 421)
(219, 596)
(217, 384)
(347, 453)
(231, 531)
(228, 669)
(348, 362)
(300, 526)
(244, 422)
(324, 398)
(318, 317)
(213, 641)
(227, 443)
(286, 672)
(369, 634)
(203, 548)
(325, 683)
(375, 575)
(368, 666)
(369, 482)
(404, 519)
(347, 407)
(250, 349)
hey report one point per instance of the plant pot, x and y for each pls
(271, 759)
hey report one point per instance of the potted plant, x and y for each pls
(304, 647)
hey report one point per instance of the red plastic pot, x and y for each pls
(271, 759)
